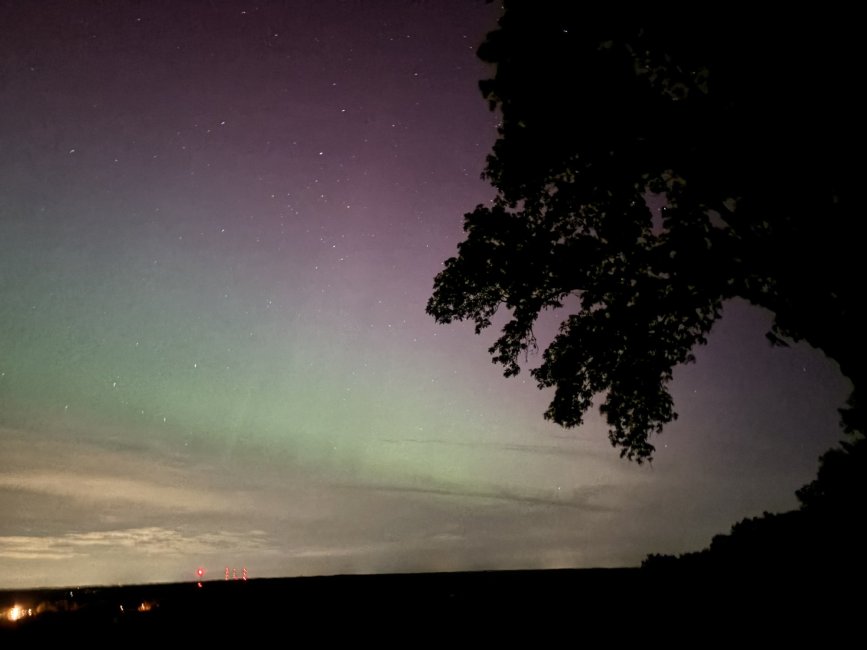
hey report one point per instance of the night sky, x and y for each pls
(219, 226)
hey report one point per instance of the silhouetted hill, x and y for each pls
(623, 604)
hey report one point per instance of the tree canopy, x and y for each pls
(748, 128)
(809, 540)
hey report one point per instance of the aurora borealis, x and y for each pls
(219, 226)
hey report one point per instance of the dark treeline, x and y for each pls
(826, 534)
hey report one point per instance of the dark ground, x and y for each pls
(426, 609)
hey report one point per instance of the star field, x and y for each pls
(219, 226)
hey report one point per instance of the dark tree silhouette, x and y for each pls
(750, 130)
(825, 535)
(839, 488)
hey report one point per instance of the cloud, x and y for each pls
(549, 450)
(151, 541)
(575, 498)
(107, 488)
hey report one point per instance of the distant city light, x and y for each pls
(16, 612)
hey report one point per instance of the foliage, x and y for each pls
(816, 537)
(744, 126)
(841, 483)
